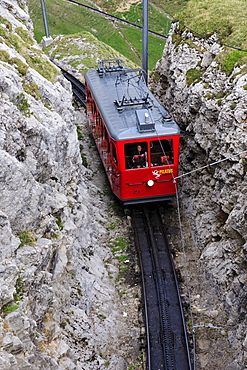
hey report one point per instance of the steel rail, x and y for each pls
(180, 303)
(166, 338)
(78, 88)
(162, 297)
(167, 343)
(144, 294)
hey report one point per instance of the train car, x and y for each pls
(138, 141)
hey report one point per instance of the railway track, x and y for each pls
(78, 88)
(166, 338)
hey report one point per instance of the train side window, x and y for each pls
(94, 108)
(114, 155)
(98, 124)
(135, 158)
(161, 152)
(105, 140)
(89, 99)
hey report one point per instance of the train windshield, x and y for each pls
(161, 152)
(146, 154)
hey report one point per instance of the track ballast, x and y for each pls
(167, 344)
(166, 337)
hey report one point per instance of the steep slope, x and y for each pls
(209, 104)
(226, 18)
(60, 307)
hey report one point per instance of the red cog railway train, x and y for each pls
(138, 141)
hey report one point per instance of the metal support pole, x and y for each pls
(47, 39)
(45, 18)
(145, 38)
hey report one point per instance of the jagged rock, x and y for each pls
(60, 308)
(118, 363)
(8, 242)
(211, 111)
(12, 344)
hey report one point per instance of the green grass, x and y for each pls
(157, 19)
(83, 58)
(26, 237)
(170, 7)
(23, 45)
(113, 6)
(230, 58)
(19, 289)
(10, 308)
(68, 19)
(225, 17)
(193, 75)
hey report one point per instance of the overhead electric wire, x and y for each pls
(199, 34)
(100, 12)
(114, 30)
(70, 10)
(119, 24)
(157, 34)
(195, 170)
(186, 277)
(153, 32)
(210, 164)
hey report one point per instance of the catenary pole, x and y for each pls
(47, 39)
(145, 38)
(45, 18)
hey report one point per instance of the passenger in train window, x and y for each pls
(139, 158)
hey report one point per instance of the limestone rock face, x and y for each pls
(210, 107)
(59, 307)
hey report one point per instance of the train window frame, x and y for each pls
(114, 154)
(105, 139)
(162, 152)
(130, 149)
(94, 108)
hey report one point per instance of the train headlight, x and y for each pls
(150, 183)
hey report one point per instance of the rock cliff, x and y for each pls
(60, 307)
(209, 104)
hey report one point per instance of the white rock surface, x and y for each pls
(60, 307)
(212, 115)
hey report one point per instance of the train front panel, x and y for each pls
(148, 169)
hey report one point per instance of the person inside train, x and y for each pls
(139, 158)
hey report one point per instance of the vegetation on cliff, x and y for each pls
(224, 18)
(65, 18)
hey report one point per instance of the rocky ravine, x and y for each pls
(64, 303)
(212, 114)
(62, 306)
